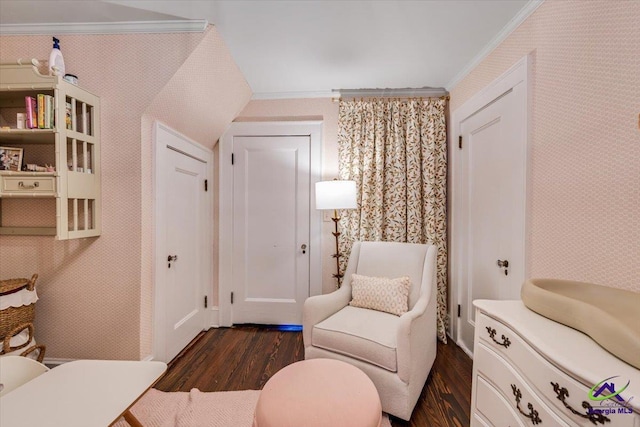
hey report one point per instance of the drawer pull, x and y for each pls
(505, 341)
(533, 414)
(562, 394)
(36, 184)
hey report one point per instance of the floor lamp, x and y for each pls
(336, 195)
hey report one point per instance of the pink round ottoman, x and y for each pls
(318, 393)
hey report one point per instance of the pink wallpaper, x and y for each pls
(585, 159)
(308, 109)
(95, 293)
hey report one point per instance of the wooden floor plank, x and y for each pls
(245, 357)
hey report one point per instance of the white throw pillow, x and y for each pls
(381, 293)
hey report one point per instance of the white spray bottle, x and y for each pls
(56, 61)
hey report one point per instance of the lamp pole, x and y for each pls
(336, 194)
(337, 255)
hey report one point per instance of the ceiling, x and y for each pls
(308, 48)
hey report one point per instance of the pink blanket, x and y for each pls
(194, 409)
(197, 409)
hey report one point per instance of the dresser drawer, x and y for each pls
(28, 186)
(568, 398)
(490, 405)
(522, 399)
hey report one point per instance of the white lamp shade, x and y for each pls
(336, 195)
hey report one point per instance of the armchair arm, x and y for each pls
(319, 307)
(417, 336)
(414, 336)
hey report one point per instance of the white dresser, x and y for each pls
(529, 370)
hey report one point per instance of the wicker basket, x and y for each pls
(15, 319)
(40, 348)
(29, 349)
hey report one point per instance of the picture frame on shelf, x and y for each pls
(11, 159)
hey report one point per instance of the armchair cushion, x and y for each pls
(381, 293)
(367, 335)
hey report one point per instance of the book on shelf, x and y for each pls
(49, 112)
(41, 102)
(67, 115)
(31, 112)
(45, 109)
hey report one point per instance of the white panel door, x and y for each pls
(271, 183)
(494, 206)
(185, 207)
(183, 231)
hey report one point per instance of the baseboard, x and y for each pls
(54, 361)
(214, 317)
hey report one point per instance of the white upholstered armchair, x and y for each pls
(396, 352)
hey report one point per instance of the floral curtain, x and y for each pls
(396, 152)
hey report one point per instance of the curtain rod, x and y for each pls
(391, 93)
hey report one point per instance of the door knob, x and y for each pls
(504, 264)
(172, 258)
(304, 248)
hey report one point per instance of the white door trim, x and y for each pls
(313, 129)
(518, 74)
(193, 149)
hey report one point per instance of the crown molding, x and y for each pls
(514, 23)
(427, 92)
(173, 26)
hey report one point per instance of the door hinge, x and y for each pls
(231, 297)
(206, 185)
(460, 142)
(459, 308)
(205, 302)
(232, 159)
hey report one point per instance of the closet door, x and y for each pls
(490, 199)
(271, 207)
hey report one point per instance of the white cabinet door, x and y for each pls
(271, 208)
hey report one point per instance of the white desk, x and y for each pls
(83, 393)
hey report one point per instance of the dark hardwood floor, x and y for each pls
(245, 357)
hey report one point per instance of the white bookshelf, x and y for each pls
(72, 147)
